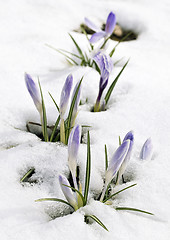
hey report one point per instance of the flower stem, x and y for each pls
(62, 131)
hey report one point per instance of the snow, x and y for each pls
(140, 102)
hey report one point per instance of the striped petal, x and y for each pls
(110, 23)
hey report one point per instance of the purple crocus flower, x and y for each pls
(65, 94)
(105, 65)
(109, 27)
(147, 149)
(116, 161)
(128, 136)
(76, 105)
(67, 191)
(34, 92)
(73, 147)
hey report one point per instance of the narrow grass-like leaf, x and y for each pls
(77, 46)
(88, 169)
(71, 111)
(53, 199)
(96, 220)
(104, 43)
(54, 129)
(60, 51)
(83, 30)
(133, 209)
(124, 38)
(82, 198)
(105, 200)
(73, 54)
(106, 158)
(44, 120)
(109, 92)
(54, 102)
(28, 174)
(120, 142)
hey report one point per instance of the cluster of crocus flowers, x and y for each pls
(99, 34)
(118, 162)
(105, 65)
(65, 126)
(73, 198)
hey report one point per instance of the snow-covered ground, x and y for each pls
(140, 102)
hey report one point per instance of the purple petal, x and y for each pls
(91, 25)
(97, 36)
(73, 147)
(110, 23)
(67, 191)
(34, 92)
(117, 160)
(147, 149)
(105, 64)
(129, 136)
(65, 94)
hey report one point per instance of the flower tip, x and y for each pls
(110, 23)
(130, 136)
(147, 149)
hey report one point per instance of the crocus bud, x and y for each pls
(147, 150)
(67, 191)
(117, 160)
(34, 92)
(65, 94)
(76, 105)
(129, 136)
(115, 163)
(105, 65)
(73, 147)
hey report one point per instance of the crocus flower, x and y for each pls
(109, 27)
(75, 109)
(116, 161)
(147, 149)
(65, 94)
(34, 92)
(73, 147)
(105, 65)
(129, 136)
(67, 191)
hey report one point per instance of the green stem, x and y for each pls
(62, 131)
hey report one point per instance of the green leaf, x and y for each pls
(87, 37)
(106, 158)
(44, 117)
(120, 142)
(83, 200)
(60, 51)
(28, 174)
(54, 129)
(104, 43)
(88, 169)
(73, 54)
(96, 220)
(71, 111)
(77, 46)
(53, 199)
(133, 209)
(109, 92)
(124, 38)
(119, 192)
(54, 102)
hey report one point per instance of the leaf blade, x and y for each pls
(88, 169)
(133, 209)
(96, 220)
(53, 199)
(109, 92)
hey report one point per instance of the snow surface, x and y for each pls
(141, 102)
